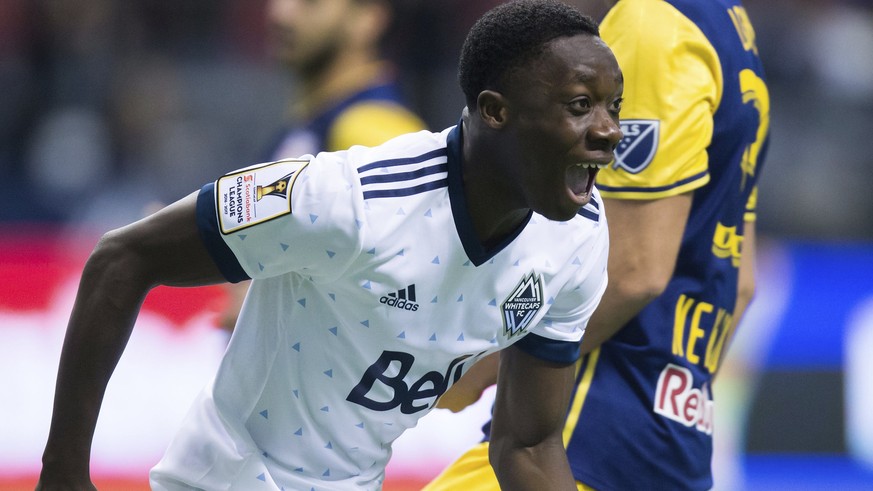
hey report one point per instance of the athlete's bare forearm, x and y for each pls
(125, 265)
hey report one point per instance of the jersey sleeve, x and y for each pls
(672, 87)
(556, 338)
(751, 214)
(371, 124)
(286, 216)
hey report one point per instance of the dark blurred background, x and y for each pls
(109, 109)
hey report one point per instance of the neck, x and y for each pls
(492, 212)
(343, 76)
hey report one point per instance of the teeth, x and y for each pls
(591, 165)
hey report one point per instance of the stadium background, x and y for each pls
(110, 108)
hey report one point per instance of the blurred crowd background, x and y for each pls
(109, 106)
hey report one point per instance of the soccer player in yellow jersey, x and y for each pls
(680, 199)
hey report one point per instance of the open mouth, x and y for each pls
(580, 180)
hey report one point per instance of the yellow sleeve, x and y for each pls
(370, 124)
(672, 87)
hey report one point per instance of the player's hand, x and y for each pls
(469, 388)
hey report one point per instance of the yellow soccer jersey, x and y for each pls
(673, 86)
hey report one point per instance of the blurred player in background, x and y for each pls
(488, 231)
(347, 91)
(680, 198)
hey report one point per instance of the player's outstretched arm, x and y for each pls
(527, 451)
(163, 249)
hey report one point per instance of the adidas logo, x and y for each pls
(403, 298)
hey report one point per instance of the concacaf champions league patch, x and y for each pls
(522, 305)
(256, 194)
(637, 148)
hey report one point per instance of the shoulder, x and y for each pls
(371, 123)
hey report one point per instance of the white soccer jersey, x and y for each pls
(371, 296)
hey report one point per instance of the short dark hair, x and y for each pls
(511, 34)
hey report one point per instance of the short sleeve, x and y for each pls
(673, 86)
(556, 337)
(286, 216)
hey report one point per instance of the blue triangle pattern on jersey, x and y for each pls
(312, 218)
(265, 414)
(283, 246)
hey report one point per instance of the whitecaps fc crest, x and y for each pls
(522, 304)
(637, 149)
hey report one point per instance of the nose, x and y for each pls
(605, 131)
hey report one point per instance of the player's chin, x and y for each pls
(563, 211)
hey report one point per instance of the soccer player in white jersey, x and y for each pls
(379, 276)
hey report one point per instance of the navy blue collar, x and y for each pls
(463, 223)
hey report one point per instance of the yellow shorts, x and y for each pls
(472, 472)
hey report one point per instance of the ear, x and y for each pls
(493, 108)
